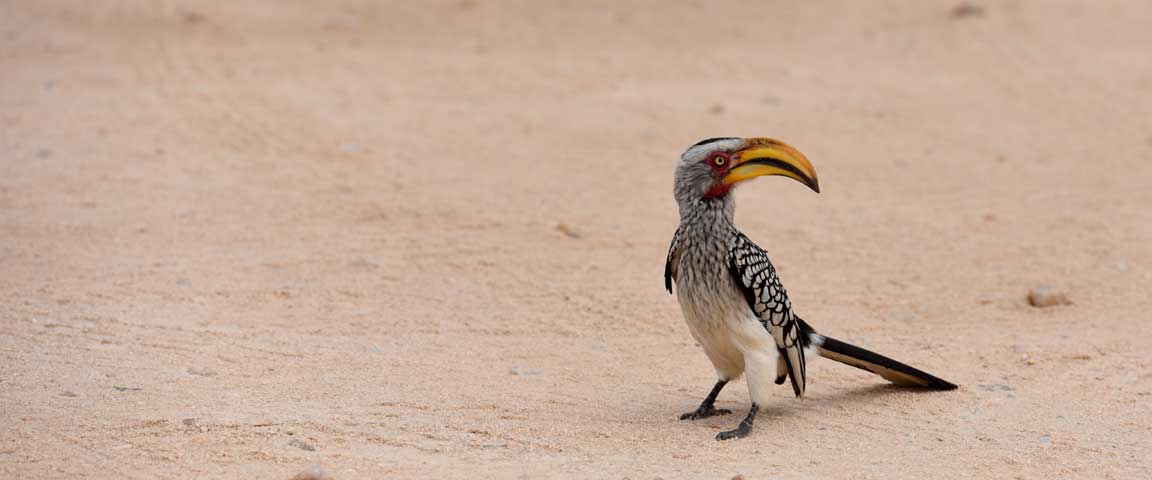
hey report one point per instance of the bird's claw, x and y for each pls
(740, 432)
(705, 413)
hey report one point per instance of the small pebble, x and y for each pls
(312, 473)
(522, 370)
(202, 371)
(568, 230)
(363, 264)
(1118, 266)
(1042, 297)
(967, 10)
(192, 17)
(301, 444)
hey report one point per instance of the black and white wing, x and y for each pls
(757, 279)
(668, 273)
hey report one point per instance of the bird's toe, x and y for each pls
(705, 413)
(730, 434)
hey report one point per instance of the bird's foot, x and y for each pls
(705, 412)
(745, 426)
(740, 432)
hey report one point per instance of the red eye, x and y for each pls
(719, 160)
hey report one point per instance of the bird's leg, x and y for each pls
(706, 408)
(745, 426)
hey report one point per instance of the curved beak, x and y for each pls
(766, 156)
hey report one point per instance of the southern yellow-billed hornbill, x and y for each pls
(732, 299)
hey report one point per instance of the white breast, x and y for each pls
(719, 318)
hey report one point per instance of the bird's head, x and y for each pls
(710, 168)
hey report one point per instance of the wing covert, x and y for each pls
(754, 274)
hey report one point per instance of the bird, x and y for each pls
(731, 297)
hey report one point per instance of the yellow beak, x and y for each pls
(766, 156)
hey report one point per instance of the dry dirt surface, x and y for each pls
(426, 239)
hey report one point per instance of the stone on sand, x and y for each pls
(1047, 297)
(312, 473)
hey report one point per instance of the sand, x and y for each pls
(426, 239)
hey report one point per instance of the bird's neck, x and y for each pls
(708, 211)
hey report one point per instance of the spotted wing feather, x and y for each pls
(754, 275)
(668, 272)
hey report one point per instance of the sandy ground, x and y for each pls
(239, 239)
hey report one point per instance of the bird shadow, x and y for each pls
(849, 397)
(872, 392)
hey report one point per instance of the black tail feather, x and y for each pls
(891, 370)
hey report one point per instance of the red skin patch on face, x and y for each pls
(719, 188)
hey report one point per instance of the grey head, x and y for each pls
(709, 169)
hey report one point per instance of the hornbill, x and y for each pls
(732, 300)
